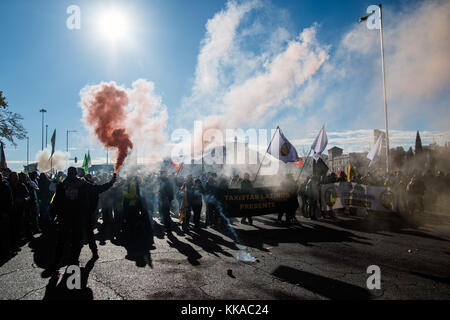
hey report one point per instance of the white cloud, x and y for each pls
(218, 45)
(238, 84)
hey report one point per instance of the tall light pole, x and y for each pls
(372, 24)
(28, 150)
(384, 89)
(42, 111)
(67, 139)
(46, 134)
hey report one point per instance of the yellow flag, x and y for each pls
(349, 171)
(51, 201)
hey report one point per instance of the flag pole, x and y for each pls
(306, 161)
(260, 164)
(203, 164)
(384, 89)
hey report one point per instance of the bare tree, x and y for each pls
(11, 128)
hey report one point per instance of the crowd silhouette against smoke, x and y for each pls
(70, 206)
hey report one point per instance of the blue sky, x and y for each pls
(45, 65)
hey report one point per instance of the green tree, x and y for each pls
(11, 128)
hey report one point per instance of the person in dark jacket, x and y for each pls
(21, 197)
(73, 204)
(416, 190)
(197, 202)
(211, 201)
(166, 195)
(6, 207)
(187, 190)
(44, 195)
(93, 193)
(290, 187)
(247, 186)
(33, 187)
(29, 222)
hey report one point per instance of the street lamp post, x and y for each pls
(42, 111)
(46, 134)
(28, 150)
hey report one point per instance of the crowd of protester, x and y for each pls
(73, 203)
(415, 192)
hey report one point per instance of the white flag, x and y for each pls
(373, 19)
(375, 153)
(319, 143)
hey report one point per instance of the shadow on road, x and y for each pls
(210, 242)
(304, 235)
(60, 291)
(443, 280)
(323, 286)
(184, 248)
(378, 223)
(138, 241)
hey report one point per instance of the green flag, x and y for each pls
(89, 159)
(85, 163)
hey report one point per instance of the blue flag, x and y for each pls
(281, 148)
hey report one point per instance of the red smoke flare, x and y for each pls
(104, 107)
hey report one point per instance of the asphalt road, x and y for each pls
(325, 259)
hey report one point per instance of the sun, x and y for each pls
(114, 25)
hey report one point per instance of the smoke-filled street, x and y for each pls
(311, 260)
(224, 158)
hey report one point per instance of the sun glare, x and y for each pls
(113, 25)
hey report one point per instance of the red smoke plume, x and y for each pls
(104, 109)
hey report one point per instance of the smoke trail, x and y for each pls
(58, 160)
(243, 253)
(104, 110)
(127, 118)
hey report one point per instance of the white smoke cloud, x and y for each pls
(147, 120)
(288, 71)
(417, 47)
(218, 44)
(58, 161)
(237, 85)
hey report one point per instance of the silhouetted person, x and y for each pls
(211, 201)
(247, 186)
(29, 219)
(33, 188)
(165, 199)
(313, 194)
(197, 201)
(93, 193)
(6, 207)
(73, 207)
(416, 191)
(290, 187)
(20, 199)
(132, 207)
(44, 195)
(187, 202)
